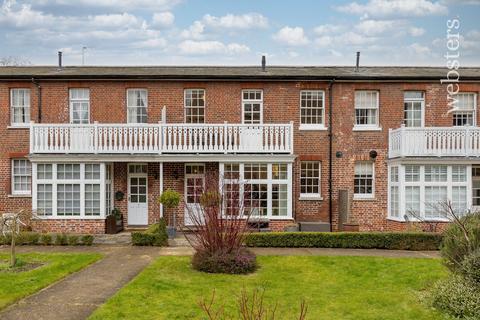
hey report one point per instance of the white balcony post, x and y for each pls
(291, 137)
(160, 136)
(390, 140)
(164, 114)
(467, 144)
(95, 137)
(225, 145)
(32, 137)
(403, 140)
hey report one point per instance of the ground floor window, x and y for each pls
(264, 189)
(418, 190)
(21, 176)
(72, 190)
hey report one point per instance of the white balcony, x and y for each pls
(434, 142)
(160, 138)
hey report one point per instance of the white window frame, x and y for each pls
(311, 196)
(130, 107)
(365, 196)
(54, 182)
(268, 181)
(185, 107)
(421, 184)
(367, 127)
(312, 126)
(72, 101)
(13, 175)
(474, 111)
(26, 107)
(422, 111)
(252, 101)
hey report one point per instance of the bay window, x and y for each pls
(421, 190)
(72, 190)
(263, 188)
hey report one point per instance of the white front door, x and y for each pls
(194, 184)
(137, 194)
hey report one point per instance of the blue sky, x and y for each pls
(237, 32)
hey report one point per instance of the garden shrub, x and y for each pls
(28, 238)
(46, 239)
(155, 235)
(86, 240)
(72, 240)
(456, 297)
(357, 240)
(61, 239)
(241, 262)
(470, 268)
(455, 246)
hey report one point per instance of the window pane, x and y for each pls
(412, 199)
(436, 173)
(394, 202)
(68, 199)
(44, 200)
(92, 171)
(434, 196)
(194, 105)
(252, 102)
(412, 173)
(310, 178)
(20, 106)
(311, 107)
(137, 106)
(21, 176)
(363, 182)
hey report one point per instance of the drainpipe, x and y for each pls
(330, 152)
(39, 98)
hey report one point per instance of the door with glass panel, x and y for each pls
(137, 194)
(194, 184)
(251, 134)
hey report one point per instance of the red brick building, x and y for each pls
(80, 141)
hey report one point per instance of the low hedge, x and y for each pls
(356, 240)
(155, 235)
(46, 239)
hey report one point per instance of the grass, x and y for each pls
(53, 267)
(333, 287)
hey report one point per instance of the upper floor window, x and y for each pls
(79, 105)
(364, 178)
(252, 104)
(21, 176)
(413, 102)
(137, 106)
(20, 106)
(465, 112)
(195, 106)
(312, 109)
(366, 109)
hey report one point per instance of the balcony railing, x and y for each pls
(161, 138)
(434, 141)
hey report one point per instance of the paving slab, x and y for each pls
(79, 294)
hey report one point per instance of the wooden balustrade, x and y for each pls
(161, 138)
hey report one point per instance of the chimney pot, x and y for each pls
(357, 65)
(59, 59)
(264, 63)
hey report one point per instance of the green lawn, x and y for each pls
(16, 285)
(334, 288)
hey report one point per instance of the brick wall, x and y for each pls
(281, 105)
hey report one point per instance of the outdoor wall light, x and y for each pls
(339, 154)
(373, 154)
(119, 195)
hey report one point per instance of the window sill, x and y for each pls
(309, 127)
(367, 129)
(432, 220)
(310, 198)
(28, 195)
(364, 198)
(19, 126)
(67, 218)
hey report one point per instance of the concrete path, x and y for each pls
(78, 295)
(185, 251)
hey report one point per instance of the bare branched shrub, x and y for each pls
(14, 61)
(11, 224)
(249, 307)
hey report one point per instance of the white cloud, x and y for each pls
(114, 4)
(328, 29)
(377, 27)
(416, 32)
(291, 36)
(151, 43)
(242, 22)
(114, 21)
(195, 31)
(419, 49)
(405, 8)
(190, 47)
(163, 19)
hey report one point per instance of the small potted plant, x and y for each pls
(170, 199)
